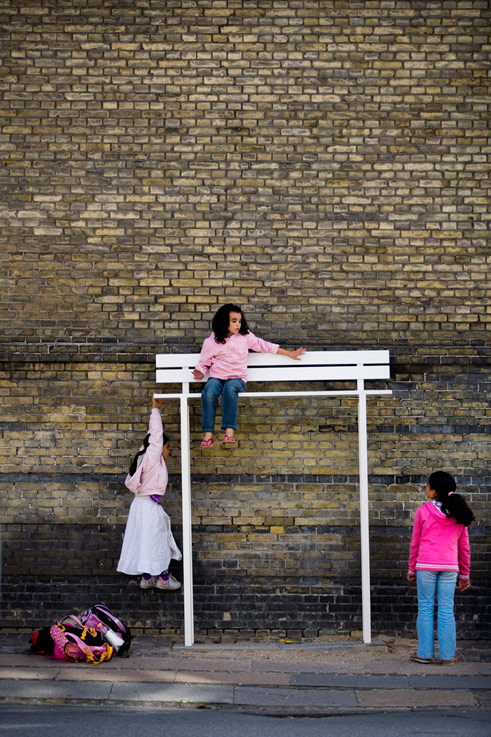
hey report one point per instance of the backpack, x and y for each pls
(74, 641)
(112, 629)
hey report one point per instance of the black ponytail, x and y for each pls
(453, 504)
(146, 442)
(134, 463)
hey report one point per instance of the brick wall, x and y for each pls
(325, 165)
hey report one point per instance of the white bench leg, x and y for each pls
(364, 523)
(187, 539)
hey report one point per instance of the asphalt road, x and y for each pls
(27, 720)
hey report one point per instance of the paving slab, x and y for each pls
(172, 693)
(483, 698)
(190, 663)
(125, 676)
(348, 681)
(445, 682)
(29, 659)
(235, 678)
(29, 674)
(412, 699)
(42, 690)
(290, 697)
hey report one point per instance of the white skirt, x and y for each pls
(148, 544)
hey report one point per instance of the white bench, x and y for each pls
(314, 366)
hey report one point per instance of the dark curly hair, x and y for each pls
(453, 505)
(221, 322)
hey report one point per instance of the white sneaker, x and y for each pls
(172, 584)
(147, 583)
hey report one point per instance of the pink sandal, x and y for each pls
(229, 439)
(207, 443)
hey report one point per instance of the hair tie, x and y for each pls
(450, 493)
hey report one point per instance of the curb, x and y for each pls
(340, 696)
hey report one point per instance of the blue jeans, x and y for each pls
(441, 583)
(229, 389)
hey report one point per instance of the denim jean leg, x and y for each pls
(446, 618)
(209, 402)
(426, 607)
(230, 402)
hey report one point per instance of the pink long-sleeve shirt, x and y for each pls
(229, 360)
(151, 476)
(439, 543)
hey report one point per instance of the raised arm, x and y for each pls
(156, 432)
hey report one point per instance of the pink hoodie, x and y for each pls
(229, 360)
(151, 475)
(438, 543)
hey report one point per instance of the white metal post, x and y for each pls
(364, 522)
(187, 540)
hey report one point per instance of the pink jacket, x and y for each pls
(439, 543)
(151, 475)
(229, 360)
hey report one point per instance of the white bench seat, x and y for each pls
(175, 368)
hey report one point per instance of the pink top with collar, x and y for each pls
(439, 543)
(229, 360)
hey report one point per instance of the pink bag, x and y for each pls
(74, 642)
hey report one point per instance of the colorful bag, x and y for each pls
(112, 629)
(74, 641)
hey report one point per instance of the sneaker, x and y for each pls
(147, 583)
(418, 659)
(449, 662)
(172, 584)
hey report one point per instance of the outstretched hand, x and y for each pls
(299, 352)
(292, 354)
(197, 375)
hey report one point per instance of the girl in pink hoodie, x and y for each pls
(224, 354)
(148, 544)
(439, 554)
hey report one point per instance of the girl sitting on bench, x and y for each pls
(224, 354)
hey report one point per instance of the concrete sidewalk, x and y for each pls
(333, 677)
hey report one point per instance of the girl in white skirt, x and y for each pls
(149, 545)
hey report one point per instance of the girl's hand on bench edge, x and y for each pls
(296, 354)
